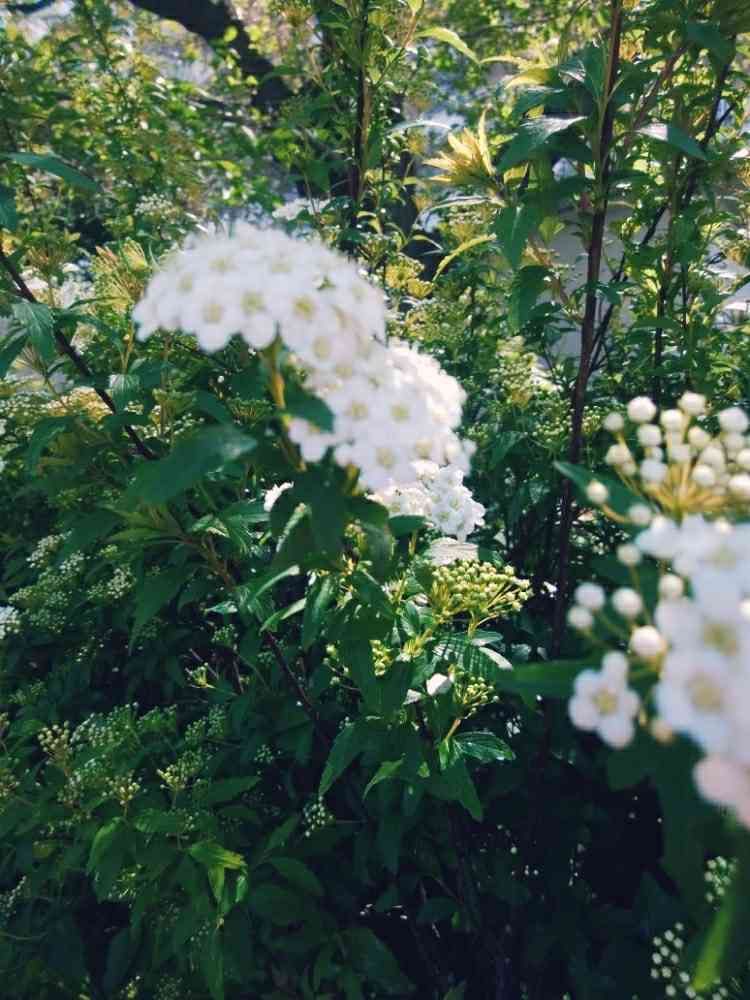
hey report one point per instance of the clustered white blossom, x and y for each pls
(392, 406)
(695, 643)
(438, 495)
(10, 621)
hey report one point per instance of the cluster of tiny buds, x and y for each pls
(472, 693)
(124, 789)
(479, 588)
(718, 876)
(10, 621)
(44, 550)
(225, 635)
(316, 816)
(8, 900)
(56, 743)
(665, 959)
(8, 783)
(115, 588)
(266, 755)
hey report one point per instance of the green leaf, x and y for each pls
(51, 164)
(152, 594)
(212, 855)
(45, 431)
(273, 903)
(107, 837)
(119, 958)
(707, 36)
(528, 285)
(455, 785)
(367, 955)
(8, 211)
(513, 226)
(531, 139)
(11, 346)
(450, 38)
(550, 678)
(386, 770)
(298, 875)
(348, 745)
(485, 747)
(212, 966)
(475, 241)
(36, 320)
(227, 789)
(300, 403)
(192, 458)
(620, 497)
(724, 949)
(672, 136)
(319, 598)
(87, 530)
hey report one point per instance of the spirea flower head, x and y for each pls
(603, 702)
(438, 494)
(392, 406)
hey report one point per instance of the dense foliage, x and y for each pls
(352, 351)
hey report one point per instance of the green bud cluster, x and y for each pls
(472, 693)
(718, 876)
(382, 657)
(316, 816)
(479, 589)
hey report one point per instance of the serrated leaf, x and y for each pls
(531, 138)
(8, 211)
(227, 789)
(36, 320)
(450, 38)
(348, 745)
(673, 136)
(152, 594)
(51, 164)
(386, 770)
(298, 875)
(528, 284)
(192, 458)
(319, 598)
(485, 747)
(211, 854)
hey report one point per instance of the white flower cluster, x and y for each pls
(698, 647)
(684, 468)
(10, 621)
(44, 550)
(603, 703)
(392, 406)
(438, 495)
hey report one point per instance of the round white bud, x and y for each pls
(647, 642)
(627, 602)
(713, 456)
(680, 453)
(629, 554)
(743, 458)
(671, 587)
(692, 403)
(641, 409)
(649, 435)
(628, 468)
(597, 492)
(580, 618)
(733, 419)
(653, 471)
(703, 475)
(640, 514)
(733, 442)
(739, 485)
(617, 454)
(698, 438)
(613, 422)
(590, 596)
(672, 420)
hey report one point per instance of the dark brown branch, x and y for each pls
(65, 347)
(215, 24)
(588, 326)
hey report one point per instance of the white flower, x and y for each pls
(603, 702)
(580, 618)
(725, 782)
(647, 642)
(693, 697)
(447, 550)
(597, 492)
(273, 495)
(627, 602)
(614, 422)
(692, 403)
(590, 596)
(661, 539)
(734, 420)
(438, 684)
(641, 410)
